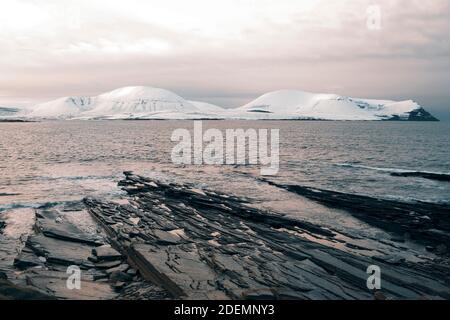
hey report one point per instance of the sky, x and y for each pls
(227, 52)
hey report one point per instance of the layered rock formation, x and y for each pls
(175, 241)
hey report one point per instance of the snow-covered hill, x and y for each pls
(123, 103)
(138, 101)
(154, 103)
(62, 108)
(294, 104)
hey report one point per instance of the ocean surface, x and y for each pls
(67, 160)
(59, 161)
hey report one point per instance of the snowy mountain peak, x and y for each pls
(292, 104)
(286, 101)
(140, 102)
(126, 102)
(140, 92)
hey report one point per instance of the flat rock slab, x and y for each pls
(10, 291)
(108, 264)
(59, 237)
(58, 242)
(55, 245)
(55, 284)
(61, 230)
(179, 268)
(106, 252)
(28, 259)
(60, 252)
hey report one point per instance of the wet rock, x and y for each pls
(398, 239)
(122, 268)
(390, 259)
(10, 291)
(119, 276)
(118, 286)
(142, 290)
(65, 231)
(132, 272)
(55, 284)
(379, 296)
(106, 253)
(176, 268)
(100, 277)
(59, 252)
(441, 249)
(262, 294)
(57, 242)
(428, 223)
(356, 247)
(73, 206)
(166, 238)
(27, 259)
(135, 221)
(289, 295)
(108, 264)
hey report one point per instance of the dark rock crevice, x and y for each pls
(425, 175)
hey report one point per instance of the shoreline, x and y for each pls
(162, 237)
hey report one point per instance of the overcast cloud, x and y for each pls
(226, 52)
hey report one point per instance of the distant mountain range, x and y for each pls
(154, 103)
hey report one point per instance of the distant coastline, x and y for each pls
(148, 103)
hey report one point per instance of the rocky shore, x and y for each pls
(173, 241)
(428, 223)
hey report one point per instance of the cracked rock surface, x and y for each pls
(200, 244)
